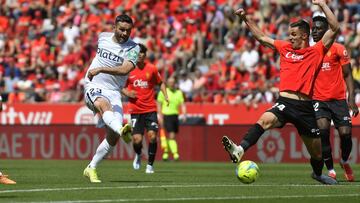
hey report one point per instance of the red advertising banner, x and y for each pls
(196, 143)
(78, 114)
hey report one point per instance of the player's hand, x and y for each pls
(167, 101)
(132, 94)
(183, 118)
(354, 108)
(318, 2)
(241, 13)
(93, 72)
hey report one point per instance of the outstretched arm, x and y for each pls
(255, 30)
(330, 35)
(124, 69)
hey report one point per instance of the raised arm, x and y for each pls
(330, 35)
(255, 30)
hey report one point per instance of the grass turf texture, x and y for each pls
(60, 181)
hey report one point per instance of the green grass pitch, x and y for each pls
(62, 181)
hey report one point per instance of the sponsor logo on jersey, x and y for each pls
(325, 67)
(293, 56)
(103, 53)
(140, 83)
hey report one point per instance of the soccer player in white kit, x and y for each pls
(116, 56)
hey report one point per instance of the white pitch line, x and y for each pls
(205, 198)
(163, 186)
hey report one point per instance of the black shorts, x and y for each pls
(299, 113)
(171, 123)
(143, 121)
(336, 110)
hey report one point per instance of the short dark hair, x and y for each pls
(124, 18)
(303, 25)
(143, 48)
(321, 19)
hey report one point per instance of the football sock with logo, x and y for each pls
(346, 146)
(252, 136)
(112, 121)
(326, 148)
(317, 166)
(137, 147)
(173, 146)
(101, 152)
(152, 152)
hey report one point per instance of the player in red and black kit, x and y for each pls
(329, 99)
(142, 106)
(298, 65)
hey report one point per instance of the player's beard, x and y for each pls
(121, 39)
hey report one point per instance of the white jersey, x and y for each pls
(111, 54)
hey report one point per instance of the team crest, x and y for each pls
(147, 75)
(132, 55)
(328, 53)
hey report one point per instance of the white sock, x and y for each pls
(101, 152)
(112, 121)
(332, 171)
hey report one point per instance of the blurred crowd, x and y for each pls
(47, 45)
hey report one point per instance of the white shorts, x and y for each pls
(114, 97)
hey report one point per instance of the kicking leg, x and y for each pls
(267, 120)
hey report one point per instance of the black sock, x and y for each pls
(137, 147)
(252, 136)
(317, 166)
(152, 152)
(346, 146)
(326, 148)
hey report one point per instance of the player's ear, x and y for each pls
(304, 36)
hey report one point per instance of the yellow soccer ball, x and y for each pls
(247, 171)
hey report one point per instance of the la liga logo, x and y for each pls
(271, 147)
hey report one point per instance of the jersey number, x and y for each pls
(133, 121)
(316, 106)
(94, 91)
(281, 107)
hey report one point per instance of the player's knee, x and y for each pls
(102, 104)
(345, 132)
(137, 138)
(316, 154)
(323, 123)
(266, 123)
(151, 136)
